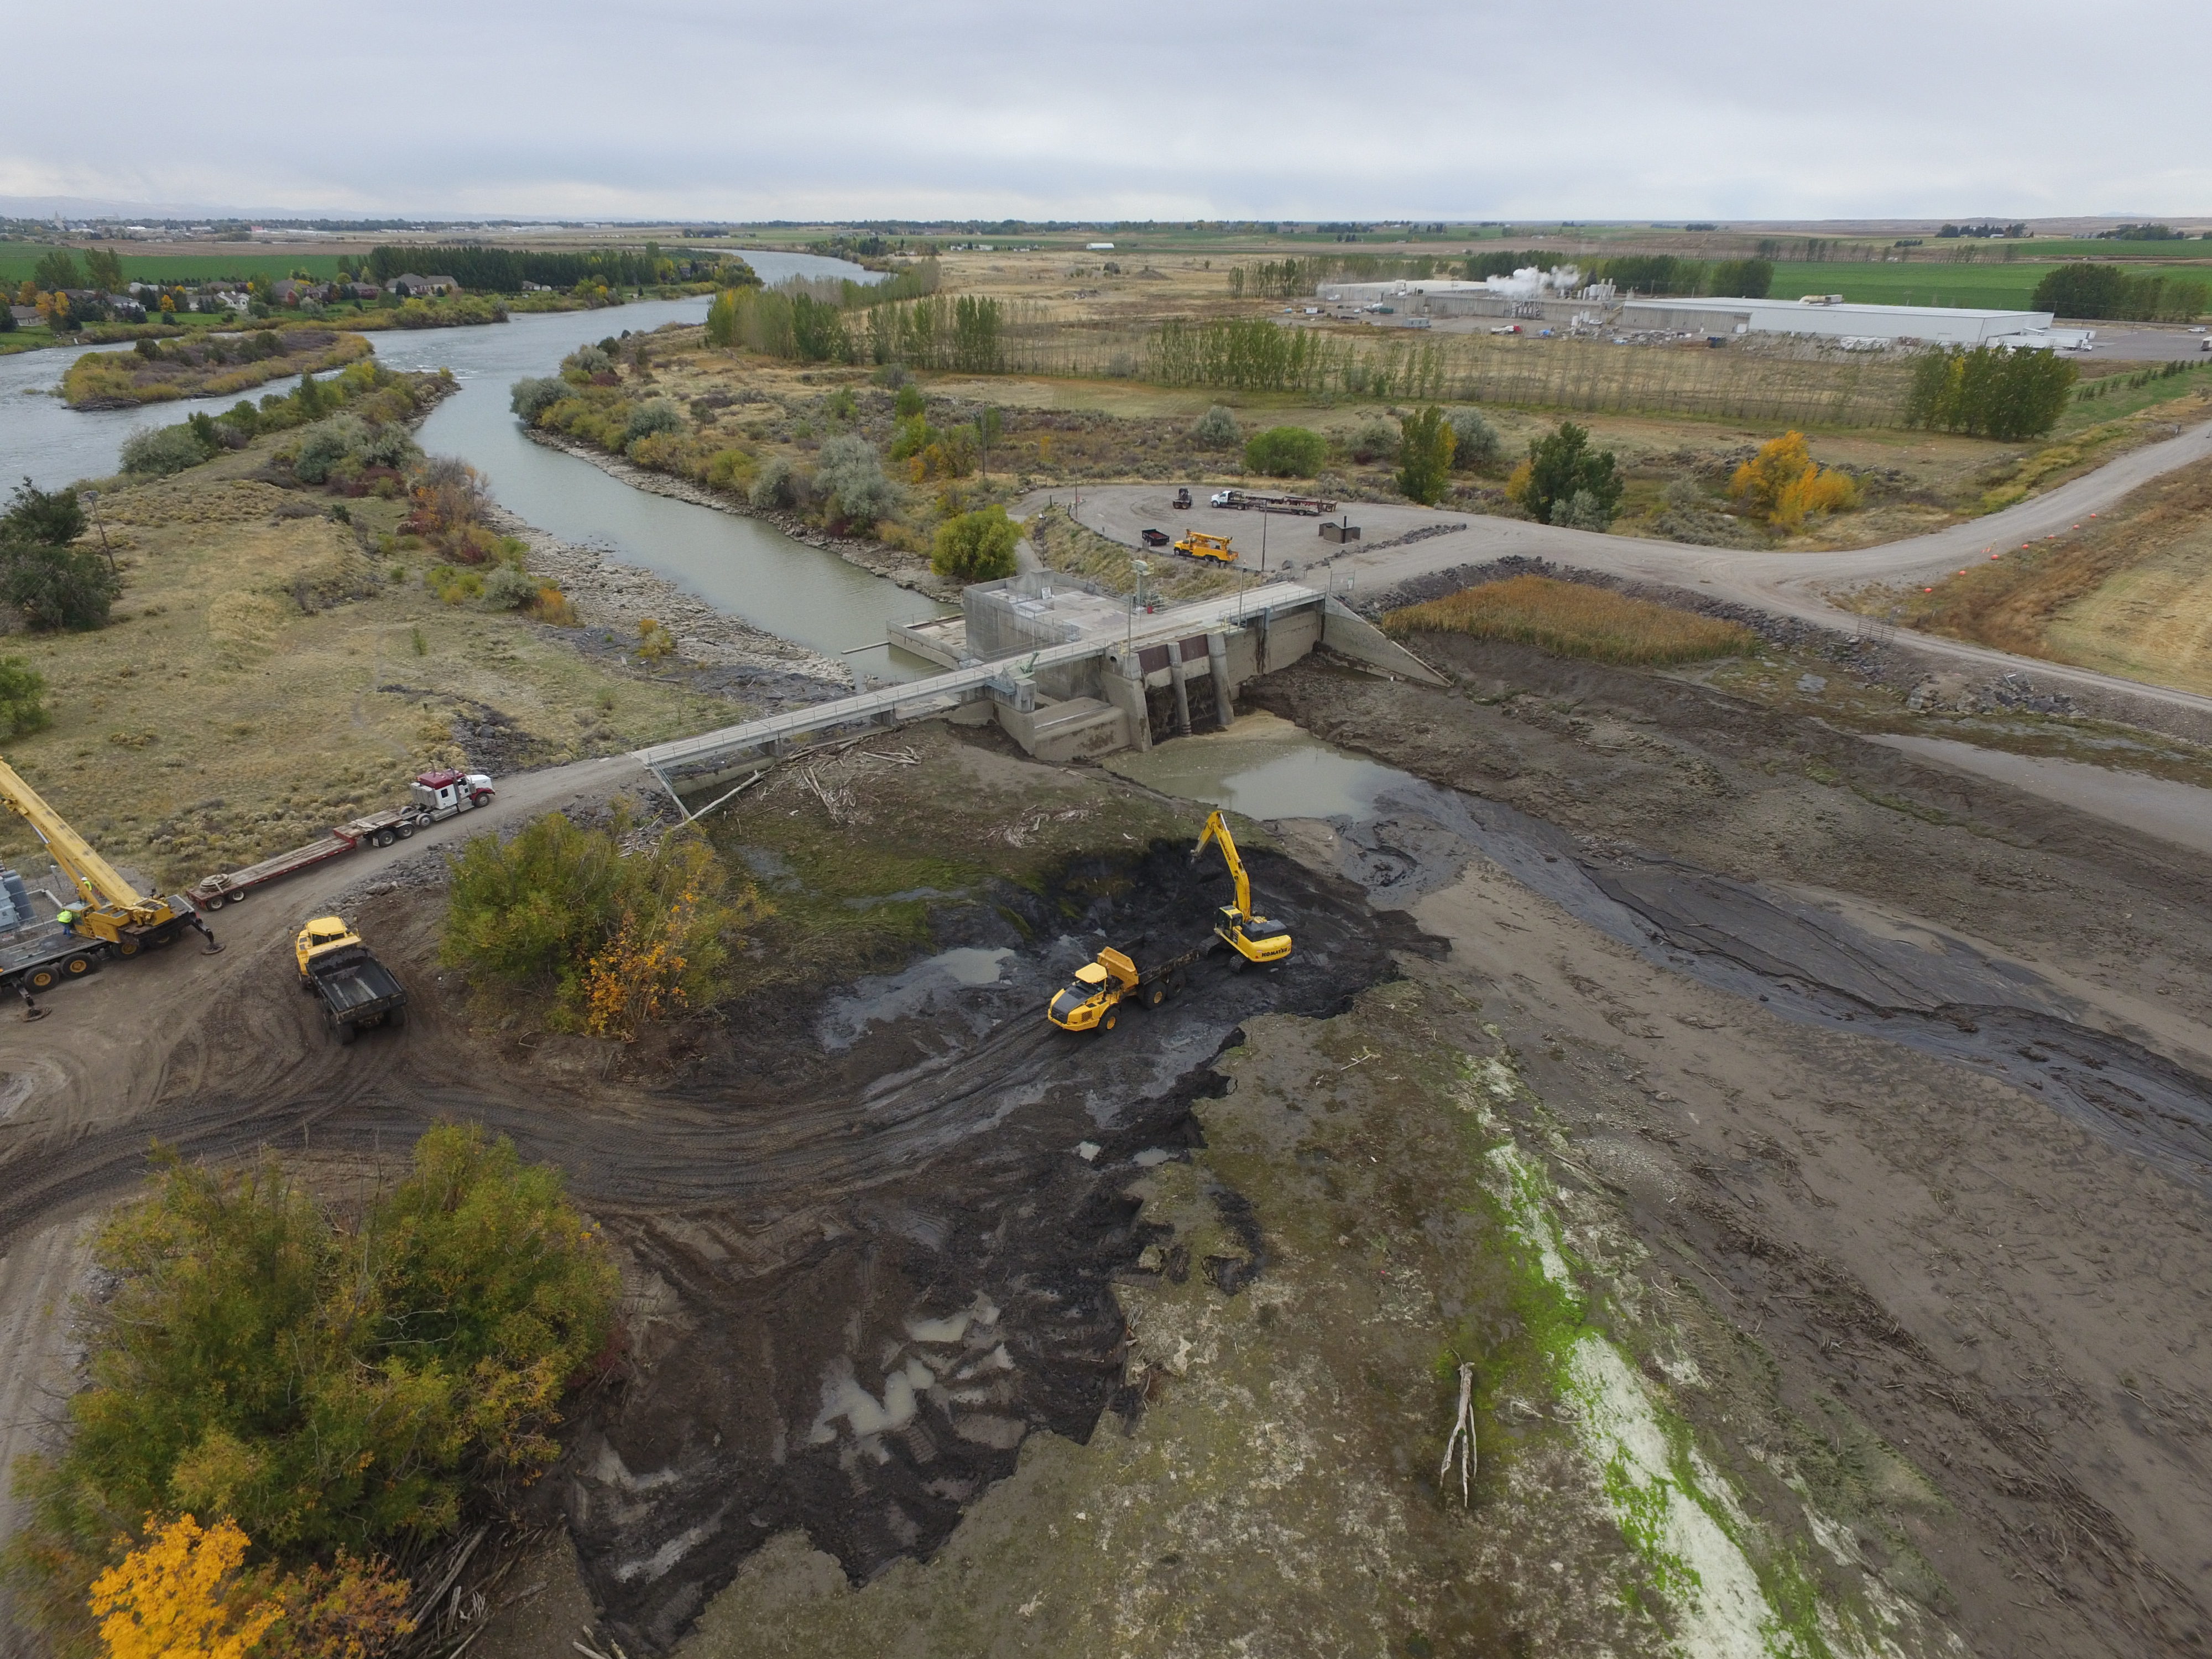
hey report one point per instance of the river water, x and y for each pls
(738, 566)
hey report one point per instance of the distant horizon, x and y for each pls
(112, 212)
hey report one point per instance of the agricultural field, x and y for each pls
(1983, 284)
(17, 259)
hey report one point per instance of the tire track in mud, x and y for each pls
(1934, 992)
(848, 1300)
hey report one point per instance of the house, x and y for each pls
(290, 291)
(410, 286)
(26, 316)
(361, 290)
(125, 309)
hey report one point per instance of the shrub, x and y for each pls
(910, 402)
(587, 361)
(1215, 429)
(1561, 465)
(22, 698)
(162, 450)
(507, 588)
(1373, 441)
(324, 1385)
(57, 588)
(1426, 441)
(325, 445)
(42, 517)
(1474, 440)
(976, 547)
(730, 468)
(533, 397)
(1573, 619)
(541, 913)
(1785, 486)
(654, 415)
(775, 486)
(1285, 452)
(849, 473)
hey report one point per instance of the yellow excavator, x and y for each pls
(108, 915)
(1252, 937)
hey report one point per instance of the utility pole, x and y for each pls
(92, 499)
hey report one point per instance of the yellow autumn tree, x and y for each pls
(638, 977)
(180, 1593)
(1786, 487)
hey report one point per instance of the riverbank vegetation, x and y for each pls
(1081, 374)
(252, 613)
(594, 938)
(1574, 619)
(156, 371)
(307, 1388)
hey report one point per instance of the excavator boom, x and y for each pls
(1217, 830)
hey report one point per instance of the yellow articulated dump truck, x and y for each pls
(1122, 972)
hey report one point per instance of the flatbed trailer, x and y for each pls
(435, 795)
(231, 887)
(1244, 501)
(42, 955)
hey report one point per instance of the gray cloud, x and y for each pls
(1722, 108)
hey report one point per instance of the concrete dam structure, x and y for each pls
(1068, 670)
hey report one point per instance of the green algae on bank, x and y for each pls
(1378, 1204)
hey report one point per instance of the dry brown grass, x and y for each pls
(1571, 619)
(2131, 593)
(266, 677)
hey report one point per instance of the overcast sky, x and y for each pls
(1142, 108)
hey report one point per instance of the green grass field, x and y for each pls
(17, 260)
(1932, 282)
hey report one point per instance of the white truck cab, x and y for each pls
(440, 794)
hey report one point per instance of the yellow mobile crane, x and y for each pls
(109, 917)
(1253, 937)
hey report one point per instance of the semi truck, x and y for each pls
(1245, 500)
(357, 991)
(434, 795)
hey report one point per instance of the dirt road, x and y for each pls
(1781, 584)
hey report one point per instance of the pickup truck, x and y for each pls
(357, 991)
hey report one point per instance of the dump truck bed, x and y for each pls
(356, 986)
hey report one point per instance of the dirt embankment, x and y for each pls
(1975, 1270)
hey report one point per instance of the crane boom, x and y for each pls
(113, 909)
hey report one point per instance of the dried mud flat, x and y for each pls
(1804, 1145)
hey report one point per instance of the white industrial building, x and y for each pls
(1558, 297)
